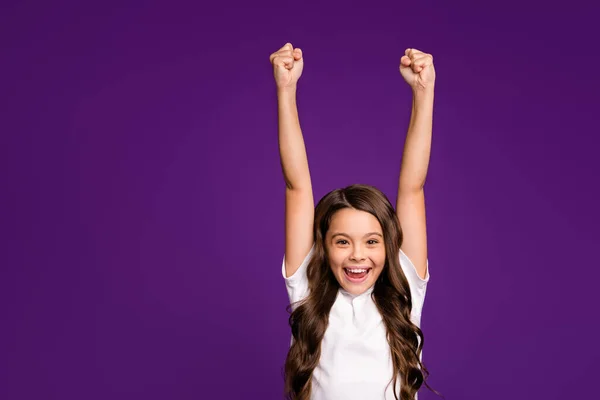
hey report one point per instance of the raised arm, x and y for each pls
(299, 204)
(417, 69)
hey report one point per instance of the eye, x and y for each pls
(372, 241)
(340, 241)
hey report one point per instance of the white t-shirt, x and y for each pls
(355, 361)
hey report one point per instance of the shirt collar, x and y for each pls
(351, 296)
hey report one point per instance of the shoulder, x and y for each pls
(410, 271)
(297, 283)
(417, 284)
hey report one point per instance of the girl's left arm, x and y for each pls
(417, 69)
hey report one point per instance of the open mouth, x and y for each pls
(357, 275)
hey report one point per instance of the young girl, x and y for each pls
(355, 279)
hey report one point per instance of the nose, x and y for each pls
(357, 253)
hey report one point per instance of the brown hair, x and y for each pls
(391, 294)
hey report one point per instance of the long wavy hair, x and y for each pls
(391, 293)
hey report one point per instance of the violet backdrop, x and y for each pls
(142, 197)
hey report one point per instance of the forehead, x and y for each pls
(350, 221)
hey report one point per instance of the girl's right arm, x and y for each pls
(299, 204)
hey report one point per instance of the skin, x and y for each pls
(417, 69)
(355, 239)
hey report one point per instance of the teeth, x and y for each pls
(357, 271)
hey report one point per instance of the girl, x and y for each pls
(355, 279)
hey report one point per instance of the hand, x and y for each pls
(287, 66)
(417, 69)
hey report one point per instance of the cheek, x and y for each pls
(336, 259)
(335, 262)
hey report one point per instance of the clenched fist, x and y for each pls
(287, 66)
(417, 69)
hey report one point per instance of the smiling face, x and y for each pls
(356, 250)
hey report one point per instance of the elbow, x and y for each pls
(297, 186)
(412, 186)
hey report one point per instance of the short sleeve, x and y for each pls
(418, 286)
(297, 284)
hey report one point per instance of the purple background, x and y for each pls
(142, 197)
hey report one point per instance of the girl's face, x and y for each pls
(356, 250)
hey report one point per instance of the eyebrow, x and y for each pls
(368, 234)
